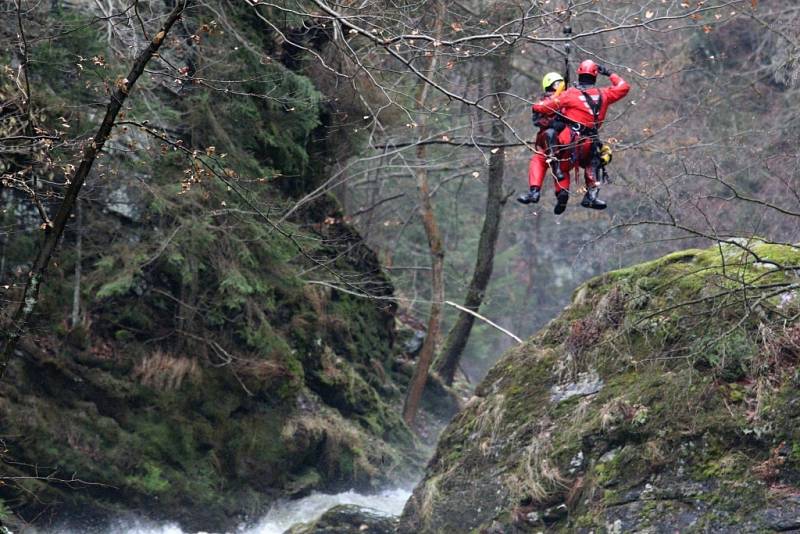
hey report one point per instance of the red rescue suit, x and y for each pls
(537, 168)
(572, 105)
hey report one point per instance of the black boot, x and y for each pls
(531, 196)
(590, 199)
(561, 202)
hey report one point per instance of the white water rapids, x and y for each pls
(285, 514)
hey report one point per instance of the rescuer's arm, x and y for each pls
(547, 106)
(619, 87)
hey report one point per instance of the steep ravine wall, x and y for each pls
(204, 377)
(109, 422)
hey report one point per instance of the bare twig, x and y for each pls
(485, 320)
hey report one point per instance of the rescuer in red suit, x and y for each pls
(545, 150)
(584, 107)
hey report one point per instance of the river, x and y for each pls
(283, 514)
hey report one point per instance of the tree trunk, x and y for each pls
(4, 234)
(435, 244)
(14, 323)
(449, 359)
(76, 290)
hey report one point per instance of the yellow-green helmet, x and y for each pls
(550, 78)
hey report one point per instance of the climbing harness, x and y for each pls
(553, 160)
(600, 153)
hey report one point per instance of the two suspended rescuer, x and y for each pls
(583, 109)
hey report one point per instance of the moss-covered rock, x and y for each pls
(663, 398)
(275, 389)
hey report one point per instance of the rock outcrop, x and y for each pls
(193, 356)
(663, 399)
(273, 390)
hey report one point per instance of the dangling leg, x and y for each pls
(551, 135)
(565, 142)
(537, 168)
(562, 187)
(590, 199)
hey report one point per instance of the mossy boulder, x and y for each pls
(663, 399)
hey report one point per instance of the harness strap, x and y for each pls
(594, 106)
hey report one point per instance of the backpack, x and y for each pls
(540, 120)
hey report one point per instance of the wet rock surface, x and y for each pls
(348, 519)
(586, 384)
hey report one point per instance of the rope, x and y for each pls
(567, 31)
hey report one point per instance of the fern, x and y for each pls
(117, 287)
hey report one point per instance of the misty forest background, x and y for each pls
(222, 227)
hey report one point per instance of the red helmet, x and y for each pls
(588, 67)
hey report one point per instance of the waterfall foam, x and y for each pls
(283, 514)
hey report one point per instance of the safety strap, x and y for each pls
(595, 107)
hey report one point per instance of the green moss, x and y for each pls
(610, 497)
(307, 480)
(653, 268)
(734, 392)
(531, 380)
(729, 354)
(723, 467)
(585, 521)
(164, 438)
(603, 474)
(265, 340)
(796, 451)
(151, 481)
(123, 335)
(689, 271)
(363, 332)
(212, 290)
(136, 316)
(784, 255)
(254, 449)
(682, 369)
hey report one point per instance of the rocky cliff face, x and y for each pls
(200, 374)
(663, 399)
(291, 388)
